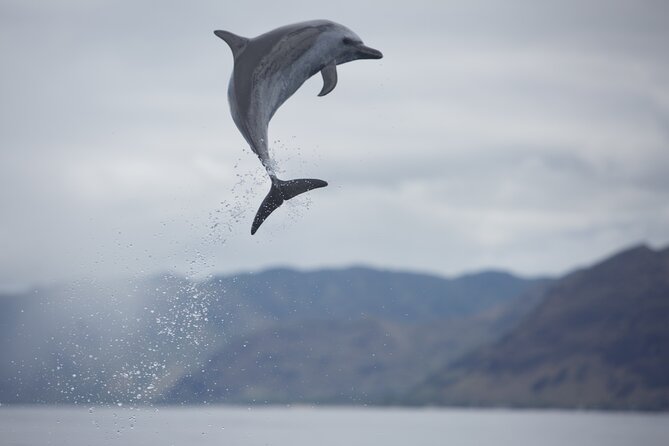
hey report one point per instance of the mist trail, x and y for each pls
(186, 325)
(151, 331)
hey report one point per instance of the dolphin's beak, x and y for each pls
(365, 52)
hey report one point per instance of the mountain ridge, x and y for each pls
(100, 341)
(599, 339)
(595, 338)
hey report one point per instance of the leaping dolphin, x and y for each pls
(268, 69)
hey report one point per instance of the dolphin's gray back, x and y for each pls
(268, 71)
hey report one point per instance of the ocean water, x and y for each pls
(307, 426)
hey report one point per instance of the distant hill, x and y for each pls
(354, 335)
(356, 292)
(351, 336)
(599, 339)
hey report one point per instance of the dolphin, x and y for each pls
(268, 69)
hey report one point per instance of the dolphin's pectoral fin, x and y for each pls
(235, 42)
(281, 191)
(329, 73)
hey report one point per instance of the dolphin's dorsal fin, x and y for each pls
(235, 42)
(329, 73)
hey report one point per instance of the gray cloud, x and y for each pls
(512, 134)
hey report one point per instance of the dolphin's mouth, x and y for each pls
(365, 52)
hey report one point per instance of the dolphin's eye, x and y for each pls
(347, 41)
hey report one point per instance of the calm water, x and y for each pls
(304, 426)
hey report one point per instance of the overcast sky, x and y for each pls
(523, 135)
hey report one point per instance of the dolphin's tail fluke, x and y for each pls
(280, 192)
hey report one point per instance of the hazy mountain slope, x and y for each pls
(356, 292)
(358, 361)
(92, 341)
(143, 340)
(353, 336)
(599, 339)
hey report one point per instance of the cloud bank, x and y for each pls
(506, 134)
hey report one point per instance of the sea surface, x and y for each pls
(339, 426)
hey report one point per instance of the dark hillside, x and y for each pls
(600, 339)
